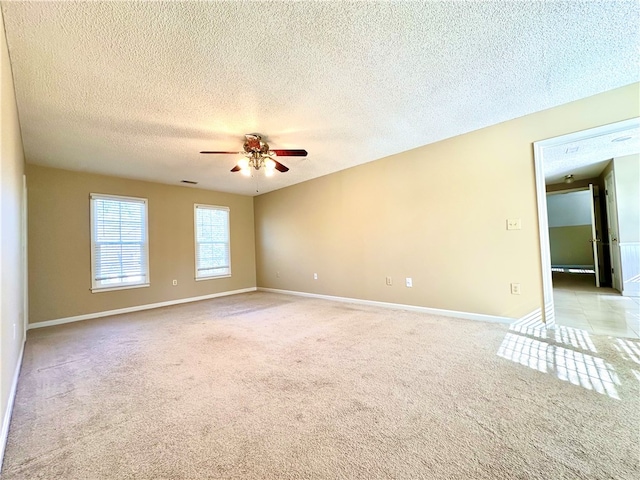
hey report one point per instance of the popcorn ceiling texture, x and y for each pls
(138, 89)
(588, 158)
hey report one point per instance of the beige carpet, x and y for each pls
(267, 386)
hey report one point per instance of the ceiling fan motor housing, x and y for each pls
(254, 145)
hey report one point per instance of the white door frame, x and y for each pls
(541, 195)
(25, 259)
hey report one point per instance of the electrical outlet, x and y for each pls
(277, 274)
(409, 282)
(175, 282)
(515, 289)
(514, 224)
(315, 276)
(389, 282)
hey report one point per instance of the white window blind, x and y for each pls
(213, 256)
(119, 242)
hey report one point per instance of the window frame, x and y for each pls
(97, 288)
(195, 239)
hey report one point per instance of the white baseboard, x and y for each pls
(398, 306)
(6, 421)
(88, 316)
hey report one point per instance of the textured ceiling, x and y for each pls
(587, 158)
(137, 89)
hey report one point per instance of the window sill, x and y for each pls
(212, 277)
(121, 287)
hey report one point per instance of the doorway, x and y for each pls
(581, 159)
(574, 234)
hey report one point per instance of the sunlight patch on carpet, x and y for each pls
(628, 349)
(577, 368)
(572, 337)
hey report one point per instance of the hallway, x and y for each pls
(599, 311)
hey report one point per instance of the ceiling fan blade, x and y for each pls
(236, 169)
(222, 153)
(290, 153)
(280, 167)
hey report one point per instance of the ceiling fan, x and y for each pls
(258, 155)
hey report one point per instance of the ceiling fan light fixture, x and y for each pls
(568, 179)
(258, 155)
(268, 172)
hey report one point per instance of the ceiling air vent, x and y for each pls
(190, 182)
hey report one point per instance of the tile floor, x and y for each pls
(600, 311)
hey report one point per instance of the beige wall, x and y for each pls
(437, 214)
(60, 242)
(570, 245)
(11, 278)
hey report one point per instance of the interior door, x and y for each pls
(594, 233)
(612, 223)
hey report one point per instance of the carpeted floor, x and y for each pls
(267, 386)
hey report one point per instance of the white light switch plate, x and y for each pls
(514, 224)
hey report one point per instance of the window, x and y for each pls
(119, 243)
(213, 257)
